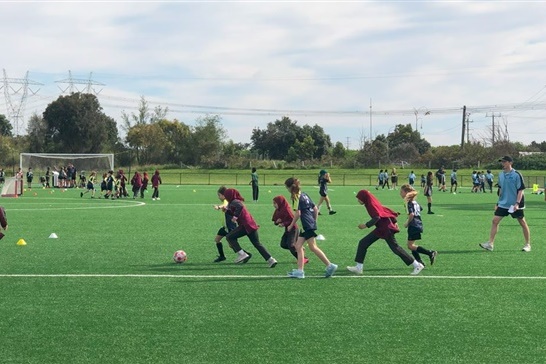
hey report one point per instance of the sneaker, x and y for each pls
(354, 270)
(486, 246)
(296, 273)
(433, 257)
(526, 248)
(417, 269)
(272, 262)
(158, 199)
(332, 212)
(153, 199)
(247, 258)
(430, 213)
(81, 194)
(330, 270)
(219, 259)
(242, 258)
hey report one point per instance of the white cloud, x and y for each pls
(290, 56)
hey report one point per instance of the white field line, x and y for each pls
(236, 276)
(55, 206)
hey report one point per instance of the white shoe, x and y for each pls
(158, 199)
(354, 270)
(296, 273)
(272, 262)
(526, 248)
(330, 270)
(240, 258)
(487, 246)
(153, 199)
(417, 269)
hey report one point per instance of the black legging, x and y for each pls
(371, 238)
(239, 232)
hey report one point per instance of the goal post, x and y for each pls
(13, 187)
(39, 162)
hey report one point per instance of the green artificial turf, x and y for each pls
(107, 291)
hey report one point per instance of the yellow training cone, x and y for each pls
(21, 242)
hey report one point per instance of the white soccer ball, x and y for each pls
(180, 256)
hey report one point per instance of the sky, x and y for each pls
(356, 68)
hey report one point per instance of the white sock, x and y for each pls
(241, 252)
(416, 264)
(359, 266)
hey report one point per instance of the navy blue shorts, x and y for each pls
(308, 234)
(414, 233)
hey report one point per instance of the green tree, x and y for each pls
(148, 141)
(320, 139)
(207, 139)
(5, 126)
(76, 124)
(178, 140)
(36, 134)
(339, 151)
(144, 115)
(306, 149)
(278, 137)
(405, 134)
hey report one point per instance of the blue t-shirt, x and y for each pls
(306, 208)
(510, 183)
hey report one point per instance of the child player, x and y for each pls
(227, 225)
(307, 212)
(283, 216)
(90, 185)
(246, 225)
(3, 222)
(414, 224)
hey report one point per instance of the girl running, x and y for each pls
(414, 224)
(384, 220)
(307, 212)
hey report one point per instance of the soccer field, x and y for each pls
(107, 291)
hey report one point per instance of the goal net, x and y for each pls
(39, 162)
(13, 187)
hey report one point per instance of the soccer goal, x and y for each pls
(13, 187)
(39, 162)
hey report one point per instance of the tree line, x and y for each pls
(76, 123)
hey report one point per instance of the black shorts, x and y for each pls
(222, 231)
(453, 181)
(414, 233)
(518, 214)
(308, 234)
(323, 193)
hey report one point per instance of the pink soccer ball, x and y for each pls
(180, 256)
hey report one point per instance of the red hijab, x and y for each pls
(232, 194)
(386, 226)
(283, 211)
(373, 206)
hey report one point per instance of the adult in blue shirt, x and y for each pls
(511, 202)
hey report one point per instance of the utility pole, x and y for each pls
(464, 124)
(492, 116)
(468, 121)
